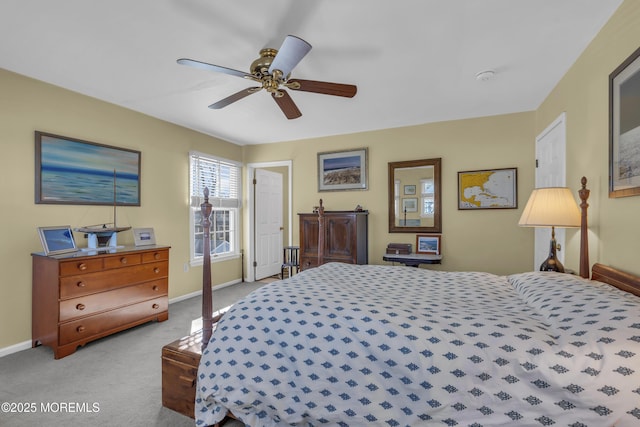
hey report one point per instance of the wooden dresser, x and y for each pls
(345, 238)
(80, 297)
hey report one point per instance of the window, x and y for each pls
(222, 178)
(426, 195)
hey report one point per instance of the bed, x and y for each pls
(351, 345)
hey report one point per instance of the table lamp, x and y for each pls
(551, 207)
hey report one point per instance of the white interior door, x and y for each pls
(268, 220)
(550, 172)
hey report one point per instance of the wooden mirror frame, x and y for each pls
(437, 215)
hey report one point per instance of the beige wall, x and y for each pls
(487, 240)
(584, 95)
(27, 105)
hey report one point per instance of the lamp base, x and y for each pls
(552, 263)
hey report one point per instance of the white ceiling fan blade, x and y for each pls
(212, 67)
(291, 52)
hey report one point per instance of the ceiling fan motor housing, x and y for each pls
(260, 66)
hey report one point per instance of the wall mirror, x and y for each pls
(414, 196)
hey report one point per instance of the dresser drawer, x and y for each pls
(81, 266)
(75, 286)
(85, 328)
(95, 303)
(123, 260)
(159, 255)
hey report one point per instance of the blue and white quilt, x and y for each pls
(347, 345)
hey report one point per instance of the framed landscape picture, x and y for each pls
(488, 189)
(624, 128)
(428, 244)
(342, 170)
(76, 172)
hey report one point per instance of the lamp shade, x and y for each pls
(551, 206)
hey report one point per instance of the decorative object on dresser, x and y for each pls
(344, 237)
(57, 240)
(80, 297)
(144, 236)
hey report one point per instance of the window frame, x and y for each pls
(230, 204)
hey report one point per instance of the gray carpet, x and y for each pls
(114, 381)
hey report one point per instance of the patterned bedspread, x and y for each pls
(350, 345)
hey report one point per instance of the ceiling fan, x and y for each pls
(272, 71)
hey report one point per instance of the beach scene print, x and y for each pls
(84, 173)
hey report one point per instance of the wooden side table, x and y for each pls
(413, 260)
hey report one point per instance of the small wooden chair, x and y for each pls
(290, 260)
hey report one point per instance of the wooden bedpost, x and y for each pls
(207, 297)
(584, 230)
(320, 233)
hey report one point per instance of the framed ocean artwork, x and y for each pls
(71, 171)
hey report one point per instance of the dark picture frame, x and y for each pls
(624, 128)
(428, 244)
(70, 171)
(488, 189)
(343, 170)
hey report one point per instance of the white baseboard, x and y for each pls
(27, 344)
(15, 348)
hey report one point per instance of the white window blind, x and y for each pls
(220, 176)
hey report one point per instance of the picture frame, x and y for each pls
(144, 236)
(410, 204)
(409, 190)
(488, 189)
(70, 171)
(343, 170)
(624, 128)
(428, 244)
(57, 239)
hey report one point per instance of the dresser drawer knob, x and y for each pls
(155, 287)
(81, 284)
(155, 306)
(123, 260)
(82, 266)
(156, 255)
(156, 270)
(80, 307)
(80, 328)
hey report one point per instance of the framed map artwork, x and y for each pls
(488, 189)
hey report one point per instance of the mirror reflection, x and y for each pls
(414, 196)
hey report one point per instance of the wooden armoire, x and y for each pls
(345, 238)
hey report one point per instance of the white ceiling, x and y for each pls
(414, 61)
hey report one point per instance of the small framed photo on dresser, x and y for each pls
(144, 236)
(428, 244)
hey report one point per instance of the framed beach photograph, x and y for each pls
(488, 189)
(624, 128)
(342, 170)
(71, 171)
(428, 244)
(144, 236)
